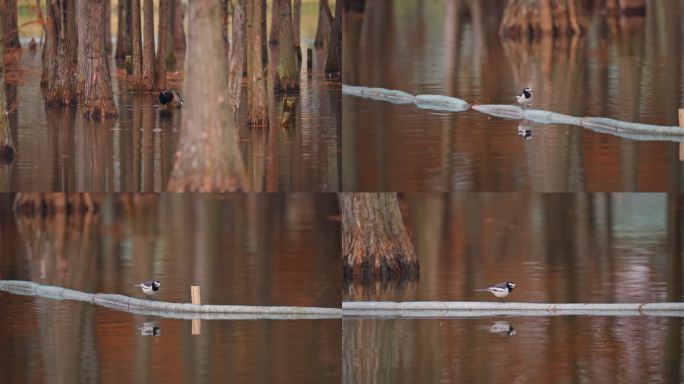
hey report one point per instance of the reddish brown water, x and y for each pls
(631, 72)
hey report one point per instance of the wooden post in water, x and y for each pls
(681, 124)
(195, 296)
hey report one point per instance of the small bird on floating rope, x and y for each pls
(499, 290)
(149, 287)
(525, 97)
(170, 99)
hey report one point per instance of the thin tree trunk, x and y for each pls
(178, 27)
(275, 22)
(333, 64)
(297, 26)
(257, 112)
(208, 157)
(108, 26)
(6, 146)
(10, 26)
(324, 24)
(137, 43)
(98, 100)
(287, 74)
(237, 54)
(163, 36)
(61, 64)
(374, 240)
(121, 35)
(149, 70)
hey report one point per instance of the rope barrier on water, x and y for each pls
(168, 309)
(452, 104)
(483, 309)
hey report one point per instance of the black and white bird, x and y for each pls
(525, 97)
(499, 290)
(150, 287)
(150, 328)
(170, 99)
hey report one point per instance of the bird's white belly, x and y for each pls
(501, 293)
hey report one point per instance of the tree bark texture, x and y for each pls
(178, 27)
(324, 24)
(108, 26)
(333, 63)
(536, 18)
(149, 63)
(163, 36)
(46, 204)
(225, 15)
(61, 53)
(237, 54)
(137, 43)
(6, 146)
(208, 157)
(287, 71)
(94, 77)
(375, 243)
(123, 32)
(257, 106)
(297, 23)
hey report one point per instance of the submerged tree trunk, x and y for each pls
(97, 97)
(178, 27)
(208, 157)
(51, 203)
(108, 26)
(287, 73)
(275, 22)
(149, 70)
(375, 243)
(10, 27)
(324, 23)
(137, 43)
(163, 36)
(257, 112)
(537, 18)
(6, 146)
(333, 64)
(237, 54)
(60, 61)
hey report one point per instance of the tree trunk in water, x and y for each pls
(264, 43)
(149, 70)
(121, 32)
(333, 64)
(208, 157)
(108, 26)
(98, 100)
(257, 112)
(60, 62)
(178, 28)
(163, 36)
(275, 22)
(237, 54)
(523, 18)
(633, 7)
(297, 24)
(224, 24)
(324, 23)
(137, 43)
(6, 146)
(50, 203)
(375, 243)
(287, 73)
(10, 27)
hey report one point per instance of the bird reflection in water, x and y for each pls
(524, 130)
(501, 327)
(150, 328)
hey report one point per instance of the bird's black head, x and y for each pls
(165, 97)
(155, 285)
(510, 285)
(527, 92)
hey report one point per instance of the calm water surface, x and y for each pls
(58, 150)
(630, 71)
(46, 341)
(513, 350)
(555, 247)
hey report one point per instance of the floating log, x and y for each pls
(481, 309)
(166, 309)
